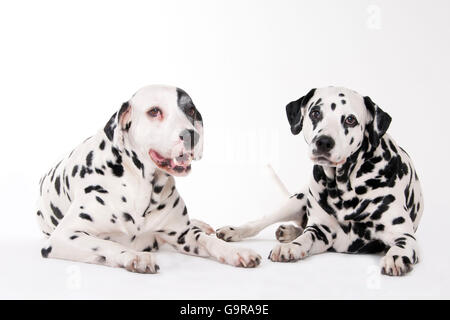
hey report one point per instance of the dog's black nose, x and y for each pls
(190, 138)
(324, 144)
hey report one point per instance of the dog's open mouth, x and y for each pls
(325, 161)
(178, 166)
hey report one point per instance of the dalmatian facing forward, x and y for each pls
(113, 200)
(364, 195)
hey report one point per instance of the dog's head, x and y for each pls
(162, 124)
(334, 123)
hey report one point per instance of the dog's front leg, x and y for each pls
(402, 254)
(191, 237)
(77, 238)
(193, 241)
(293, 210)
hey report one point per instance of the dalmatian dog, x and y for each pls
(364, 195)
(113, 200)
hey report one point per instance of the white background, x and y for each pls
(65, 67)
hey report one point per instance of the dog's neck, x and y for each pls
(342, 173)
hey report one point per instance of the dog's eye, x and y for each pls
(154, 112)
(351, 121)
(315, 114)
(191, 112)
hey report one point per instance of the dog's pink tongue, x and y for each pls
(156, 155)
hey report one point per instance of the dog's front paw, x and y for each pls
(139, 262)
(395, 265)
(287, 252)
(288, 233)
(244, 258)
(229, 234)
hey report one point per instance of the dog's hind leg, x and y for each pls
(288, 232)
(316, 238)
(293, 210)
(43, 224)
(77, 238)
(206, 228)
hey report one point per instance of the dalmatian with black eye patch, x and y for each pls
(113, 200)
(364, 195)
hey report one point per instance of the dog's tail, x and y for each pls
(277, 180)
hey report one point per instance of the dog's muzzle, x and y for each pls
(190, 138)
(324, 145)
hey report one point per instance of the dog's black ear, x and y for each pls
(110, 126)
(295, 110)
(124, 116)
(379, 123)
